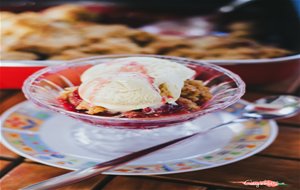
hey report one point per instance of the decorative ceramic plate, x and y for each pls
(48, 138)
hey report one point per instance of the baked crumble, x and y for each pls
(193, 95)
(69, 31)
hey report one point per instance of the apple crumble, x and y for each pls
(193, 96)
(137, 87)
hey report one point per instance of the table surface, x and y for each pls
(279, 162)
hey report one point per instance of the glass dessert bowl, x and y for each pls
(177, 95)
(45, 88)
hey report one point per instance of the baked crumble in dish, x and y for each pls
(136, 87)
(70, 31)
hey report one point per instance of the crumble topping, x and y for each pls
(164, 92)
(72, 97)
(192, 97)
(195, 91)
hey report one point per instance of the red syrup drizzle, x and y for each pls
(135, 67)
(74, 100)
(66, 105)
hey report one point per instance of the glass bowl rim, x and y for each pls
(239, 82)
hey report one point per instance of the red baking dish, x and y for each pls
(263, 71)
(13, 73)
(253, 72)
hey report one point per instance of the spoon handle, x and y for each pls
(79, 175)
(233, 5)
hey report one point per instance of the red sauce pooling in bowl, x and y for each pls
(67, 105)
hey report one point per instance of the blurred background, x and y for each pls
(257, 39)
(276, 21)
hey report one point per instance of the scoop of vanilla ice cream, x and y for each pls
(120, 92)
(156, 71)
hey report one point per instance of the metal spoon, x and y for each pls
(195, 26)
(273, 107)
(233, 5)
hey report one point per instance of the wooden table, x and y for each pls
(279, 162)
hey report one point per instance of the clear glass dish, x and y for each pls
(44, 86)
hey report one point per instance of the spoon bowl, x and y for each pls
(273, 107)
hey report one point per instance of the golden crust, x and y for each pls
(112, 46)
(164, 45)
(50, 39)
(95, 110)
(188, 103)
(16, 27)
(69, 13)
(82, 105)
(214, 42)
(29, 32)
(98, 32)
(139, 37)
(164, 91)
(195, 91)
(92, 110)
(17, 55)
(71, 54)
(65, 94)
(270, 52)
(5, 15)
